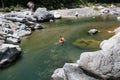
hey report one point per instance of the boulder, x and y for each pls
(12, 40)
(38, 26)
(16, 19)
(20, 16)
(117, 30)
(59, 74)
(22, 33)
(56, 15)
(93, 31)
(105, 11)
(43, 15)
(71, 71)
(8, 53)
(118, 18)
(104, 63)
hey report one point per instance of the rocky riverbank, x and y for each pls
(14, 26)
(88, 11)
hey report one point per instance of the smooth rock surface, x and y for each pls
(92, 31)
(8, 53)
(43, 15)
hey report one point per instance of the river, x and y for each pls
(42, 54)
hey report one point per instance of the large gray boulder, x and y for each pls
(71, 71)
(8, 53)
(104, 63)
(43, 15)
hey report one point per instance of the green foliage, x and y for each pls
(105, 5)
(83, 43)
(118, 4)
(55, 4)
(95, 8)
(11, 8)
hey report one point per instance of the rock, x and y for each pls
(57, 15)
(2, 40)
(31, 5)
(71, 71)
(12, 40)
(76, 14)
(8, 53)
(22, 33)
(109, 44)
(59, 74)
(16, 19)
(118, 18)
(43, 15)
(93, 31)
(38, 26)
(11, 46)
(104, 63)
(105, 11)
(117, 30)
(22, 16)
(100, 7)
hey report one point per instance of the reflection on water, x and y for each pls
(42, 53)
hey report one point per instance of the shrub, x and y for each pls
(105, 5)
(118, 4)
(95, 8)
(11, 8)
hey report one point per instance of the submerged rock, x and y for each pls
(93, 31)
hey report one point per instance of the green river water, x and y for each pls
(42, 54)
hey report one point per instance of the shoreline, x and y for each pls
(82, 12)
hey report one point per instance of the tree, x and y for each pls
(2, 2)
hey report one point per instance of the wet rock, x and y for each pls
(43, 15)
(8, 53)
(93, 31)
